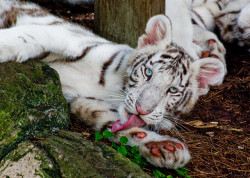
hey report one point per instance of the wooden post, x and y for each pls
(124, 21)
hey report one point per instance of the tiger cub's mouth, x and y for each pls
(133, 121)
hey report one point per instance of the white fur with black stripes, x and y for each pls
(114, 87)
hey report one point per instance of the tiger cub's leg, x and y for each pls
(63, 41)
(233, 22)
(95, 113)
(210, 45)
(159, 150)
(243, 26)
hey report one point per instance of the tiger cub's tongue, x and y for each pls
(133, 121)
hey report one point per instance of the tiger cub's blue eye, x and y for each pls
(173, 89)
(148, 72)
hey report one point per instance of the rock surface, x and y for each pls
(32, 110)
(31, 103)
(77, 157)
(27, 160)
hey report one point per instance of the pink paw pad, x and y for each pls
(155, 152)
(169, 148)
(141, 135)
(178, 145)
(211, 41)
(167, 145)
(205, 54)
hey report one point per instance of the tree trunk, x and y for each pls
(124, 21)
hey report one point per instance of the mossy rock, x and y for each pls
(32, 111)
(67, 154)
(27, 160)
(31, 103)
(78, 157)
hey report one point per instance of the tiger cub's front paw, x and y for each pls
(159, 150)
(17, 52)
(18, 47)
(170, 153)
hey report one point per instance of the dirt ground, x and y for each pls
(217, 130)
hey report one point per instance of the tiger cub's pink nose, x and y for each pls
(140, 111)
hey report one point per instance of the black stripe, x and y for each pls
(105, 67)
(133, 80)
(194, 22)
(188, 64)
(180, 101)
(218, 5)
(137, 63)
(131, 99)
(136, 74)
(172, 50)
(149, 57)
(120, 62)
(92, 98)
(96, 113)
(131, 86)
(125, 81)
(200, 18)
(142, 71)
(43, 55)
(187, 84)
(55, 23)
(160, 61)
(166, 56)
(184, 69)
(113, 110)
(227, 13)
(184, 99)
(187, 101)
(84, 53)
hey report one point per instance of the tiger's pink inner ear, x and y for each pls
(158, 30)
(155, 35)
(211, 72)
(206, 76)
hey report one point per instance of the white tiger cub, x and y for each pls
(231, 16)
(114, 87)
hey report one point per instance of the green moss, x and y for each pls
(78, 157)
(31, 103)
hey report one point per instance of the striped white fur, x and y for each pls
(114, 87)
(231, 16)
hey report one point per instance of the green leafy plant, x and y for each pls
(98, 136)
(108, 134)
(133, 154)
(124, 140)
(130, 152)
(183, 172)
(159, 174)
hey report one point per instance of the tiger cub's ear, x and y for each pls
(208, 71)
(158, 32)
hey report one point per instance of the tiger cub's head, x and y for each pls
(163, 80)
